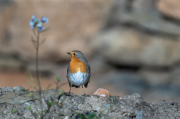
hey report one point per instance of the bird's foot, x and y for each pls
(68, 93)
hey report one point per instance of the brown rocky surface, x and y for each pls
(169, 8)
(16, 103)
(139, 36)
(130, 47)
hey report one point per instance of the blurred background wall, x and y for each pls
(131, 45)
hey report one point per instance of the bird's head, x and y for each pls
(76, 54)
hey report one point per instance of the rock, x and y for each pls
(150, 22)
(4, 90)
(155, 77)
(102, 92)
(175, 75)
(143, 5)
(126, 107)
(66, 117)
(143, 16)
(19, 97)
(99, 65)
(138, 36)
(170, 8)
(18, 89)
(45, 68)
(132, 48)
(10, 63)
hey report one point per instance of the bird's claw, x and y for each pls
(68, 93)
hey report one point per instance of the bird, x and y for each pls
(78, 71)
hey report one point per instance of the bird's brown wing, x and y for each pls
(68, 71)
(89, 72)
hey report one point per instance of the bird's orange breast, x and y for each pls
(77, 65)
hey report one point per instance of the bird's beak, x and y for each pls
(69, 53)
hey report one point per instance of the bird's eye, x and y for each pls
(74, 54)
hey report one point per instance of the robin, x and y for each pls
(78, 71)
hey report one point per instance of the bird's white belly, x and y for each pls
(78, 78)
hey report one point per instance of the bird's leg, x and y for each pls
(83, 91)
(68, 94)
(70, 89)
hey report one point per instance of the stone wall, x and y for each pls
(135, 33)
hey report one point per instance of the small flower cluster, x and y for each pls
(35, 22)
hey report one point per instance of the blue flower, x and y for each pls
(40, 29)
(35, 22)
(44, 19)
(31, 23)
(33, 17)
(39, 24)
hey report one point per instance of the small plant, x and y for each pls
(58, 85)
(28, 107)
(88, 115)
(31, 95)
(37, 27)
(14, 110)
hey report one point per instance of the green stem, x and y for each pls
(37, 73)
